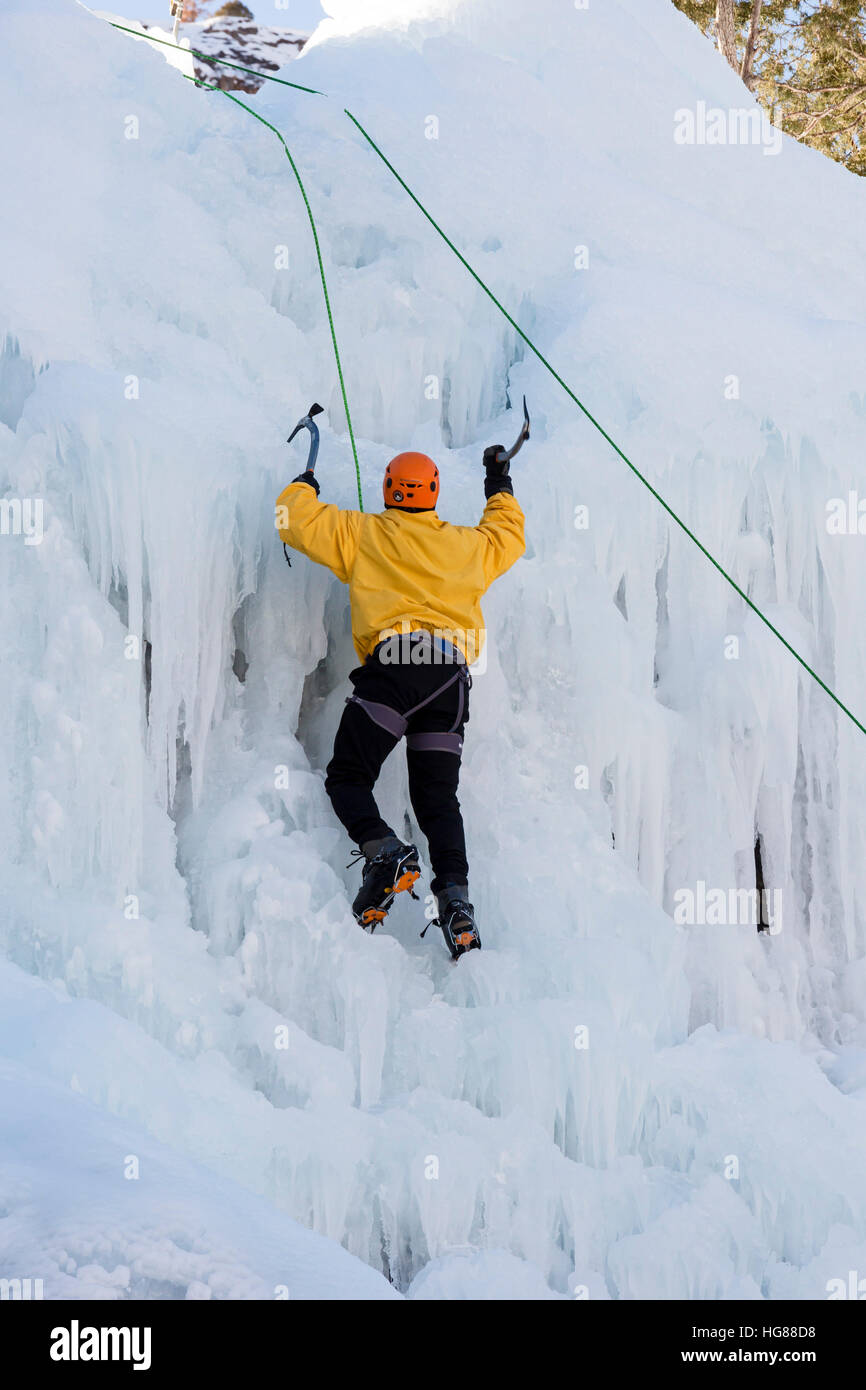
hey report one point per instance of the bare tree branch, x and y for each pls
(746, 71)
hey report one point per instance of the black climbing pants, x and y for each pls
(362, 745)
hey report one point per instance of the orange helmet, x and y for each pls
(411, 480)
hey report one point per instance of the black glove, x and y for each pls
(310, 478)
(496, 470)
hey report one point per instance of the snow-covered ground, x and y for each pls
(607, 1100)
(95, 1207)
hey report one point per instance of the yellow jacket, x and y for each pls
(406, 570)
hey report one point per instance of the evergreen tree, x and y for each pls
(804, 59)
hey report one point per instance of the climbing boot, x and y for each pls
(390, 867)
(457, 920)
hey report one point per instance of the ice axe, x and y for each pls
(506, 455)
(307, 422)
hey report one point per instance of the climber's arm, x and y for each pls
(501, 525)
(325, 533)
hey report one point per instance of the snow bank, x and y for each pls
(130, 1218)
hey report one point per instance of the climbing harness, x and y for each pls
(396, 723)
(207, 58)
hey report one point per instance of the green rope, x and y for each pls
(297, 175)
(529, 343)
(603, 432)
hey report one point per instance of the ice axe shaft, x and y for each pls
(307, 422)
(505, 456)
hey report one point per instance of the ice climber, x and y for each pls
(415, 584)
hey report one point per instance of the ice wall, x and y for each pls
(573, 1094)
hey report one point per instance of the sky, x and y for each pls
(290, 14)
